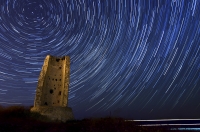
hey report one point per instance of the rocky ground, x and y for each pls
(20, 119)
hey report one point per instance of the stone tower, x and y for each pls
(51, 97)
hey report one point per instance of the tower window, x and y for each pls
(51, 91)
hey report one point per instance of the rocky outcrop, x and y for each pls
(55, 113)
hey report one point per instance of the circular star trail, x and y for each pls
(129, 58)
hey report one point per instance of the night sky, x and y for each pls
(137, 59)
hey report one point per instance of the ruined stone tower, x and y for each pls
(51, 97)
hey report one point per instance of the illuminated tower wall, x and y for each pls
(51, 98)
(53, 83)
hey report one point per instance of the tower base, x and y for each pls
(55, 113)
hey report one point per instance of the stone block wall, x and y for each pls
(53, 83)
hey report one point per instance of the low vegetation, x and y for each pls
(20, 119)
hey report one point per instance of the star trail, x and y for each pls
(129, 58)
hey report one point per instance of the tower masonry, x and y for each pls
(51, 98)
